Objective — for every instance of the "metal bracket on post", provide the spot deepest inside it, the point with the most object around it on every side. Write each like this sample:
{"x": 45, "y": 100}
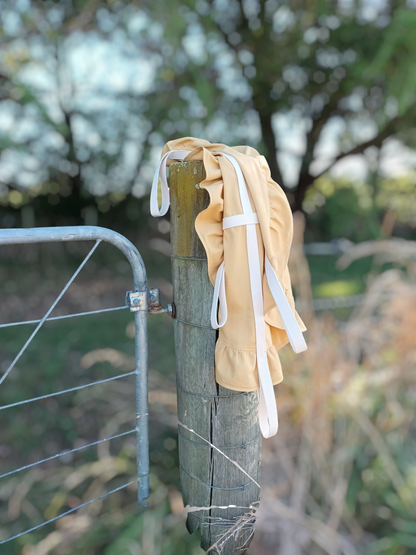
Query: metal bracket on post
{"x": 154, "y": 304}
{"x": 148, "y": 301}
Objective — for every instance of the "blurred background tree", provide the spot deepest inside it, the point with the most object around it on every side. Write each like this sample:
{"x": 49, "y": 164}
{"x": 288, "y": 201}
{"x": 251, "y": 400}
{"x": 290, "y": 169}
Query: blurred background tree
{"x": 91, "y": 90}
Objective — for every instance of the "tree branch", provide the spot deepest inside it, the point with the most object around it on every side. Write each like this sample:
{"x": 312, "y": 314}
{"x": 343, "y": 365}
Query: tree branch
{"x": 269, "y": 140}
{"x": 306, "y": 179}
{"x": 388, "y": 131}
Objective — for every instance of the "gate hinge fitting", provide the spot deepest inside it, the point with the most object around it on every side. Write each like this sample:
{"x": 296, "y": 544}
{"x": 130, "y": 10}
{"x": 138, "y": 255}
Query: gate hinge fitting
{"x": 148, "y": 301}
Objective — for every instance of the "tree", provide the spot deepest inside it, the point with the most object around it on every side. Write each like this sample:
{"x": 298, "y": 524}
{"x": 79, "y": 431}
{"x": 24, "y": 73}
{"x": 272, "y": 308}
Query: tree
{"x": 321, "y": 62}
{"x": 90, "y": 90}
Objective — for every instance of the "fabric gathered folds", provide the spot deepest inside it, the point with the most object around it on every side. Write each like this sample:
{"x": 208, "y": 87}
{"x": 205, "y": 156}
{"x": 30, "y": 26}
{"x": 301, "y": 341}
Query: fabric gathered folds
{"x": 247, "y": 234}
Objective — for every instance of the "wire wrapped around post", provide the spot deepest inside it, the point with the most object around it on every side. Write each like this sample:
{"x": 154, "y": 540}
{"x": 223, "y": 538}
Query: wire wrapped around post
{"x": 219, "y": 438}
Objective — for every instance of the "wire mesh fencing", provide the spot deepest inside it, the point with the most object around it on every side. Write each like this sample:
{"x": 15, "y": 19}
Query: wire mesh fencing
{"x": 139, "y": 300}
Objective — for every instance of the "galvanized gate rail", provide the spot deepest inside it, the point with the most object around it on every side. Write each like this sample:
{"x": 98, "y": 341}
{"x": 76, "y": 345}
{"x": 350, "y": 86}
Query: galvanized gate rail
{"x": 141, "y": 301}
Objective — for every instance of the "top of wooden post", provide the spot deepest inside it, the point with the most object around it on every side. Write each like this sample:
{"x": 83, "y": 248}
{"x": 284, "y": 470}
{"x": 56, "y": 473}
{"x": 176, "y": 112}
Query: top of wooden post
{"x": 187, "y": 202}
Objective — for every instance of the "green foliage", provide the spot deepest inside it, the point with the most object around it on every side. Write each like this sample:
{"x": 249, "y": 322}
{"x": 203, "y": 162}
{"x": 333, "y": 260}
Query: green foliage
{"x": 395, "y": 57}
{"x": 94, "y": 89}
{"x": 399, "y": 196}
{"x": 354, "y": 210}
{"x": 342, "y": 209}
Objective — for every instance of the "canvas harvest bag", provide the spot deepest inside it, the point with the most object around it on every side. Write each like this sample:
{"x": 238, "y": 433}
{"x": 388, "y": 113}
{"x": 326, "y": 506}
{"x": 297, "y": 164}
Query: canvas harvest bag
{"x": 247, "y": 234}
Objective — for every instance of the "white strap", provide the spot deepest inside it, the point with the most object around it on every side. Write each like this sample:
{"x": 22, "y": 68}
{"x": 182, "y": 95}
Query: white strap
{"x": 240, "y": 219}
{"x": 268, "y": 418}
{"x": 249, "y": 217}
{"x": 245, "y": 199}
{"x": 219, "y": 296}
{"x": 291, "y": 326}
{"x": 161, "y": 173}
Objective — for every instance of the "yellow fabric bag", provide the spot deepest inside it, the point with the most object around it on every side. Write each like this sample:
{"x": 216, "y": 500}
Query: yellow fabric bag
{"x": 244, "y": 197}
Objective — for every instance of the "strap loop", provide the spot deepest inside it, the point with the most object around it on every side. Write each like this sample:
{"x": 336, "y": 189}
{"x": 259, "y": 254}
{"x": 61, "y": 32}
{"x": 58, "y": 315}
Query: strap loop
{"x": 219, "y": 297}
{"x": 291, "y": 326}
{"x": 161, "y": 173}
{"x": 268, "y": 418}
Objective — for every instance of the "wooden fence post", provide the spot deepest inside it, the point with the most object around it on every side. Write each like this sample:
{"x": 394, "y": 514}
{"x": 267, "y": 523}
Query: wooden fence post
{"x": 207, "y": 411}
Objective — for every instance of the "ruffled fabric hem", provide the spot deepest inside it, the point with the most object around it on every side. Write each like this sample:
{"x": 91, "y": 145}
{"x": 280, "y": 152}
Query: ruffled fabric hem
{"x": 236, "y": 369}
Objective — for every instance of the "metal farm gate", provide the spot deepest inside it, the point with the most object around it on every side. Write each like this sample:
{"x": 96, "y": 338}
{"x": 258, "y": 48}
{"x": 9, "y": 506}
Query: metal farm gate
{"x": 141, "y": 301}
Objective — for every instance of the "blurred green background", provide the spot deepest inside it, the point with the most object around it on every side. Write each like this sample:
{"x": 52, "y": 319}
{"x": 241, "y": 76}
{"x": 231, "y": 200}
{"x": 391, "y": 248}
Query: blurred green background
{"x": 90, "y": 91}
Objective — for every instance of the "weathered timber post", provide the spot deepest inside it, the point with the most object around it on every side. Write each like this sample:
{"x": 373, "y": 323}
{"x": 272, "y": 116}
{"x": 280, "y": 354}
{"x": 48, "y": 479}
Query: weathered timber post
{"x": 225, "y": 418}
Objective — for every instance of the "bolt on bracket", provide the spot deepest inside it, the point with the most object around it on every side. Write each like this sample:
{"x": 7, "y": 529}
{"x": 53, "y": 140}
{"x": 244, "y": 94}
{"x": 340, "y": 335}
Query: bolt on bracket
{"x": 154, "y": 303}
{"x": 137, "y": 300}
